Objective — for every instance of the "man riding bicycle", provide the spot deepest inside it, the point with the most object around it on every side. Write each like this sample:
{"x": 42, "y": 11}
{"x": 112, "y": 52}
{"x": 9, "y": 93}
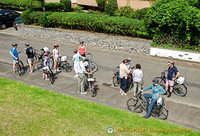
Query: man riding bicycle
{"x": 171, "y": 76}
{"x": 157, "y": 91}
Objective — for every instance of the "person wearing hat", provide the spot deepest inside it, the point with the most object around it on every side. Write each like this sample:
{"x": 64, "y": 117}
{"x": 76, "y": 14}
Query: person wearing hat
{"x": 157, "y": 91}
{"x": 124, "y": 71}
{"x": 30, "y": 55}
{"x": 14, "y": 54}
{"x": 76, "y": 60}
{"x": 82, "y": 49}
{"x": 171, "y": 76}
{"x": 56, "y": 56}
{"x": 82, "y": 77}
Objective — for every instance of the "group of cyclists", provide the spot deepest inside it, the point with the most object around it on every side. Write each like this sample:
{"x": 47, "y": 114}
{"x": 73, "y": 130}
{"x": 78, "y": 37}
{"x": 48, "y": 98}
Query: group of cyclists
{"x": 80, "y": 68}
{"x": 125, "y": 70}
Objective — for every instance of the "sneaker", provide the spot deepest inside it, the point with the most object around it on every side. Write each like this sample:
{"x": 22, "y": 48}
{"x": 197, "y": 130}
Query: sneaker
{"x": 46, "y": 79}
{"x": 76, "y": 76}
{"x": 123, "y": 93}
{"x": 30, "y": 72}
{"x": 84, "y": 93}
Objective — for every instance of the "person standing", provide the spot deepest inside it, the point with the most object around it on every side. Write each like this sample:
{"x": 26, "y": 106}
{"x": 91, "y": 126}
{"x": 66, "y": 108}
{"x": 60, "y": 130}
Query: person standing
{"x": 82, "y": 77}
{"x": 14, "y": 54}
{"x": 171, "y": 76}
{"x": 30, "y": 55}
{"x": 157, "y": 91}
{"x": 82, "y": 49}
{"x": 123, "y": 69}
{"x": 56, "y": 56}
{"x": 76, "y": 60}
{"x": 46, "y": 63}
{"x": 137, "y": 78}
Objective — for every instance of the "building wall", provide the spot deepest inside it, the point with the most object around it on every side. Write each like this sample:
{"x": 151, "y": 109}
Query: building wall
{"x": 135, "y": 4}
{"x": 52, "y": 0}
{"x": 92, "y": 3}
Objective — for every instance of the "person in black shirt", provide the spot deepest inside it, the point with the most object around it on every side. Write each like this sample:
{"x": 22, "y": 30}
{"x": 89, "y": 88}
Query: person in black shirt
{"x": 30, "y": 55}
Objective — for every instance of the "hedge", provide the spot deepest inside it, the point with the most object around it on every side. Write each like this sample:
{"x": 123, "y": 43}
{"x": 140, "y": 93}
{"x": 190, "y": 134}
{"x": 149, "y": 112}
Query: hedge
{"x": 19, "y": 4}
{"x": 90, "y": 22}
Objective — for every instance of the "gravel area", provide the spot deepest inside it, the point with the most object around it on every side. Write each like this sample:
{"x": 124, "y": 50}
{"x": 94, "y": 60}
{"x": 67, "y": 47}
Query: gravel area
{"x": 108, "y": 41}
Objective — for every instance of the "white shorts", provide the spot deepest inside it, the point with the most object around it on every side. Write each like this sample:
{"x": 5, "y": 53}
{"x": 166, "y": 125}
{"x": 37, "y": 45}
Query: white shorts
{"x": 30, "y": 60}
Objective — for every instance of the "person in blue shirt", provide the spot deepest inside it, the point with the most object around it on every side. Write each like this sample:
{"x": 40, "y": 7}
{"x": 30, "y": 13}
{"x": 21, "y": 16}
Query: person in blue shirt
{"x": 46, "y": 64}
{"x": 14, "y": 54}
{"x": 76, "y": 59}
{"x": 157, "y": 91}
{"x": 171, "y": 76}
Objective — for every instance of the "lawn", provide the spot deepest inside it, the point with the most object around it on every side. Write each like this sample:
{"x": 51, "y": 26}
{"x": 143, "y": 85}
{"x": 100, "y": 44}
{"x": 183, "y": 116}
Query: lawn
{"x": 28, "y": 110}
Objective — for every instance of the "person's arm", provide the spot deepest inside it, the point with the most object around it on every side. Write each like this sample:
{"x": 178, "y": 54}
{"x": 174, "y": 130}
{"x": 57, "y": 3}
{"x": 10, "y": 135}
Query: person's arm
{"x": 73, "y": 58}
{"x": 162, "y": 91}
{"x": 12, "y": 55}
{"x": 148, "y": 88}
{"x": 177, "y": 74}
{"x": 45, "y": 62}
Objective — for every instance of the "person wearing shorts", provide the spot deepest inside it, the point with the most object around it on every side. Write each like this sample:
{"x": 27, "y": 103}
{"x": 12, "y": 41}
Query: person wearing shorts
{"x": 30, "y": 55}
{"x": 56, "y": 56}
{"x": 14, "y": 54}
{"x": 171, "y": 76}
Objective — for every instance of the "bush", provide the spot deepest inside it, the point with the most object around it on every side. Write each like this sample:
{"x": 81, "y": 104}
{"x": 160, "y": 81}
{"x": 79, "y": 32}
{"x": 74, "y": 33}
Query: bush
{"x": 126, "y": 11}
{"x": 101, "y": 4}
{"x": 78, "y": 9}
{"x": 67, "y": 4}
{"x": 95, "y": 12}
{"x": 110, "y": 7}
{"x": 20, "y": 4}
{"x": 140, "y": 14}
{"x": 178, "y": 18}
{"x": 90, "y": 22}
{"x": 54, "y": 6}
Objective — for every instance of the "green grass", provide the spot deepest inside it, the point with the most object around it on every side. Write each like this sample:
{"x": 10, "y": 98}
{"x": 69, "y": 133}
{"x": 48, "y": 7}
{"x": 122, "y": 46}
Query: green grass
{"x": 28, "y": 110}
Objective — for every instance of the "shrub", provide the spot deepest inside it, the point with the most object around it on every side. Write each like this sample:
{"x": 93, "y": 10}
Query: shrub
{"x": 95, "y": 12}
{"x": 78, "y": 9}
{"x": 67, "y": 4}
{"x": 126, "y": 11}
{"x": 140, "y": 14}
{"x": 101, "y": 4}
{"x": 90, "y": 22}
{"x": 54, "y": 6}
{"x": 110, "y": 7}
{"x": 177, "y": 18}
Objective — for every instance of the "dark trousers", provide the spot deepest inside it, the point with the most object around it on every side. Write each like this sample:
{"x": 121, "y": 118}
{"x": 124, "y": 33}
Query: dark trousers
{"x": 153, "y": 101}
{"x": 123, "y": 84}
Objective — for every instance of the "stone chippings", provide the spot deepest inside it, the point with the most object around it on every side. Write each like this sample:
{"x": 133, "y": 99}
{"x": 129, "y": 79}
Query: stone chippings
{"x": 124, "y": 43}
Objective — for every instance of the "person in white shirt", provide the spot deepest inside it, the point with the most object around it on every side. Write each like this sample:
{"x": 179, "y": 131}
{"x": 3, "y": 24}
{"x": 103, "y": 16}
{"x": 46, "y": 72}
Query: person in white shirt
{"x": 56, "y": 56}
{"x": 76, "y": 60}
{"x": 137, "y": 78}
{"x": 81, "y": 74}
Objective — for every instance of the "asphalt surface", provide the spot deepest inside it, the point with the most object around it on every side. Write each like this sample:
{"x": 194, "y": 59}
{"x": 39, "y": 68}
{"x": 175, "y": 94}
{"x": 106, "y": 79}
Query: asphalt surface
{"x": 184, "y": 111}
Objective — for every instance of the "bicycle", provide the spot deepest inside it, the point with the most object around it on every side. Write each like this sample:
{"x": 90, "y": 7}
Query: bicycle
{"x": 179, "y": 88}
{"x": 92, "y": 64}
{"x": 116, "y": 80}
{"x": 138, "y": 104}
{"x": 49, "y": 73}
{"x": 19, "y": 66}
{"x": 63, "y": 64}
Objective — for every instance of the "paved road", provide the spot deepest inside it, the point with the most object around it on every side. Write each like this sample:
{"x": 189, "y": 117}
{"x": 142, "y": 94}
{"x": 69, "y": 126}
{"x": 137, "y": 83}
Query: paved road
{"x": 107, "y": 61}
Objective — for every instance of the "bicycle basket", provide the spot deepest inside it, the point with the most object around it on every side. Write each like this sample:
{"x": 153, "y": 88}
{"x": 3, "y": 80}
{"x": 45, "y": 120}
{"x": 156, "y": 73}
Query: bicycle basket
{"x": 45, "y": 69}
{"x": 64, "y": 58}
{"x": 180, "y": 80}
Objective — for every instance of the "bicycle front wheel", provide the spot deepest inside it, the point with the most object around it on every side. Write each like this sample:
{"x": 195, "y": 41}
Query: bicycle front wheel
{"x": 19, "y": 66}
{"x": 115, "y": 81}
{"x": 163, "y": 113}
{"x": 180, "y": 90}
{"x": 134, "y": 105}
{"x": 52, "y": 78}
{"x": 93, "y": 66}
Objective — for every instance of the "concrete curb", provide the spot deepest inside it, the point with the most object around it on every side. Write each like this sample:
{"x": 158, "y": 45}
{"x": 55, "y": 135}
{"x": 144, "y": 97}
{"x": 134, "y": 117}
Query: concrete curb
{"x": 181, "y": 55}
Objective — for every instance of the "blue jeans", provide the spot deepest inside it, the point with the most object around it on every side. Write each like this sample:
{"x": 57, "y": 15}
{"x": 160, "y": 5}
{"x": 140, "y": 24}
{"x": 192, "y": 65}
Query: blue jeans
{"x": 153, "y": 101}
{"x": 123, "y": 84}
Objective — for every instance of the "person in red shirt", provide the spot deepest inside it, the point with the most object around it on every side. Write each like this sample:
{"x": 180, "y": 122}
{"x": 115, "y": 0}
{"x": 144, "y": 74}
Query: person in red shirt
{"x": 82, "y": 49}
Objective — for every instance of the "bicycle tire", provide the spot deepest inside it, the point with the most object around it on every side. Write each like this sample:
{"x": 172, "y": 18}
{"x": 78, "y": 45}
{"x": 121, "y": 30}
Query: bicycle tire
{"x": 163, "y": 113}
{"x": 93, "y": 66}
{"x": 92, "y": 90}
{"x": 67, "y": 67}
{"x": 133, "y": 105}
{"x": 89, "y": 56}
{"x": 116, "y": 80}
{"x": 180, "y": 90}
{"x": 19, "y": 68}
{"x": 52, "y": 78}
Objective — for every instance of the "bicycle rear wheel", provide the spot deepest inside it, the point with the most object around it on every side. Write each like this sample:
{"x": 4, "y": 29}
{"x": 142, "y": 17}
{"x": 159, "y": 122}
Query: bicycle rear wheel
{"x": 89, "y": 56}
{"x": 163, "y": 113}
{"x": 180, "y": 89}
{"x": 52, "y": 78}
{"x": 134, "y": 105}
{"x": 116, "y": 81}
{"x": 93, "y": 66}
{"x": 51, "y": 63}
{"x": 19, "y": 66}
